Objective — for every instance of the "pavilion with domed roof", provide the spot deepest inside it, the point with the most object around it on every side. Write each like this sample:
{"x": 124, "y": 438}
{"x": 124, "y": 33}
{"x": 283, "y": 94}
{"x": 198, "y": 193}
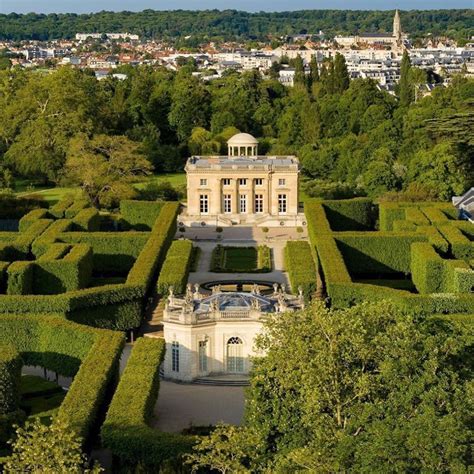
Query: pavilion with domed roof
{"x": 242, "y": 187}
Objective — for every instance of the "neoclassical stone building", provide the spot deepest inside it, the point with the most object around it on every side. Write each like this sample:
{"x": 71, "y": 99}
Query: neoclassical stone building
{"x": 214, "y": 334}
{"x": 242, "y": 187}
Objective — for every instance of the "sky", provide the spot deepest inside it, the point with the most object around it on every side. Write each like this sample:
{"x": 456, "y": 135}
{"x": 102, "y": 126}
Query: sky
{"x": 86, "y": 6}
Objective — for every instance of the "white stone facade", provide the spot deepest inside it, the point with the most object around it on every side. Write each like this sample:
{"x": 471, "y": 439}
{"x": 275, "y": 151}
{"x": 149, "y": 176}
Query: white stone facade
{"x": 214, "y": 334}
{"x": 242, "y": 188}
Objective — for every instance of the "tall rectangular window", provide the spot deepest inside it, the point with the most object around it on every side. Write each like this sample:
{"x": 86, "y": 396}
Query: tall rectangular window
{"x": 227, "y": 204}
{"x": 243, "y": 181}
{"x": 175, "y": 356}
{"x": 202, "y": 356}
{"x": 258, "y": 181}
{"x": 258, "y": 203}
{"x": 203, "y": 203}
{"x": 243, "y": 203}
{"x": 282, "y": 203}
{"x": 226, "y": 181}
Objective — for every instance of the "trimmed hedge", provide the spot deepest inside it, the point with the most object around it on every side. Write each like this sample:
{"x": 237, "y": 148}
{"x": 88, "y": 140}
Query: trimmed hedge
{"x": 125, "y": 430}
{"x": 377, "y": 252}
{"x": 75, "y": 208}
{"x": 140, "y": 215}
{"x": 10, "y": 373}
{"x": 59, "y": 209}
{"x": 350, "y": 214}
{"x": 42, "y": 243}
{"x": 87, "y": 220}
{"x": 27, "y": 220}
{"x": 89, "y": 355}
{"x": 264, "y": 258}
{"x": 300, "y": 267}
{"x": 70, "y": 270}
{"x": 460, "y": 246}
{"x": 20, "y": 278}
{"x": 113, "y": 252}
{"x": 154, "y": 251}
{"x": 175, "y": 270}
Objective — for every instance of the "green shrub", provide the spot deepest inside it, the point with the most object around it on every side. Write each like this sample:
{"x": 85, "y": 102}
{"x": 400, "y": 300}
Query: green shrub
{"x": 75, "y": 208}
{"x": 125, "y": 430}
{"x": 300, "y": 267}
{"x": 27, "y": 220}
{"x": 13, "y": 207}
{"x": 87, "y": 220}
{"x": 435, "y": 215}
{"x": 460, "y": 246}
{"x": 89, "y": 355}
{"x": 377, "y": 252}
{"x": 427, "y": 268}
{"x": 59, "y": 209}
{"x": 264, "y": 258}
{"x": 414, "y": 215}
{"x": 70, "y": 270}
{"x": 49, "y": 236}
{"x": 350, "y": 214}
{"x": 20, "y": 278}
{"x": 140, "y": 215}
{"x": 175, "y": 269}
{"x": 10, "y": 373}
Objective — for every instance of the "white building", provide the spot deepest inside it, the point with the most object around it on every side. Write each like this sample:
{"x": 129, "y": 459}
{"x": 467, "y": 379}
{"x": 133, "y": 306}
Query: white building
{"x": 214, "y": 334}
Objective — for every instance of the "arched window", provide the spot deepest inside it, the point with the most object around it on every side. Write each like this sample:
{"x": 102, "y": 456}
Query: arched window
{"x": 235, "y": 359}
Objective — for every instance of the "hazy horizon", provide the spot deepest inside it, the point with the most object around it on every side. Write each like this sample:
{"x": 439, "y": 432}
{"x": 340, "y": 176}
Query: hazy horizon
{"x": 90, "y": 6}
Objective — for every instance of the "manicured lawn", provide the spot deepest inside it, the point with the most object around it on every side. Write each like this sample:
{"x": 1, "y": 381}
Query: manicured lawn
{"x": 241, "y": 259}
{"x": 175, "y": 179}
{"x": 52, "y": 195}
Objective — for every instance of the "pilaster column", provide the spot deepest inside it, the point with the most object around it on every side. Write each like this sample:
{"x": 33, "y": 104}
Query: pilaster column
{"x": 235, "y": 196}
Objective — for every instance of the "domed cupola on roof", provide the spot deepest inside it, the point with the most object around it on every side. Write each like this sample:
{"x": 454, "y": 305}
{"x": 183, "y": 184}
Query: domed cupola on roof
{"x": 242, "y": 144}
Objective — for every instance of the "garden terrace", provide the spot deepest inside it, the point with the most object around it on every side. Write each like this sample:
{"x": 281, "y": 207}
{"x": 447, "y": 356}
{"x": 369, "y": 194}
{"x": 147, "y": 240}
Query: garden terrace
{"x": 61, "y": 262}
{"x": 241, "y": 259}
{"x": 422, "y": 258}
{"x": 91, "y": 356}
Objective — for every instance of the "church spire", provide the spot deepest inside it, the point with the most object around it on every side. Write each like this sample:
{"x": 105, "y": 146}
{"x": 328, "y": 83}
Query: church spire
{"x": 397, "y": 27}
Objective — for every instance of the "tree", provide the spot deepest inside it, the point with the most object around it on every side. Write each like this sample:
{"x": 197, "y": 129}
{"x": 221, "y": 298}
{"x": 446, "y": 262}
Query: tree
{"x": 300, "y": 76}
{"x": 365, "y": 389}
{"x": 226, "y": 449}
{"x": 47, "y": 449}
{"x": 405, "y": 88}
{"x": 104, "y": 167}
{"x": 341, "y": 74}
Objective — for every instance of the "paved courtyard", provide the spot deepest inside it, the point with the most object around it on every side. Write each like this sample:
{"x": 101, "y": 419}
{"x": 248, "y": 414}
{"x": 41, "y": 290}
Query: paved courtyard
{"x": 180, "y": 406}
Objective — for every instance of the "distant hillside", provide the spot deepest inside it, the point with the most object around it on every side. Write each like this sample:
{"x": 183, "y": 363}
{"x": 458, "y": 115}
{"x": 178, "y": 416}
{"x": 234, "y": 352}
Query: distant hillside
{"x": 232, "y": 24}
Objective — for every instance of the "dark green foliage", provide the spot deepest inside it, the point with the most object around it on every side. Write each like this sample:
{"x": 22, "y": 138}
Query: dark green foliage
{"x": 405, "y": 88}
{"x": 125, "y": 430}
{"x": 90, "y": 355}
{"x": 350, "y": 214}
{"x": 10, "y": 372}
{"x": 460, "y": 246}
{"x": 264, "y": 258}
{"x": 12, "y": 207}
{"x": 140, "y": 215}
{"x": 300, "y": 267}
{"x": 175, "y": 270}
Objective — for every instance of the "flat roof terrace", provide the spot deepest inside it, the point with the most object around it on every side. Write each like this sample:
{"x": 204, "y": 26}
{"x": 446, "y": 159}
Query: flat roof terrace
{"x": 242, "y": 162}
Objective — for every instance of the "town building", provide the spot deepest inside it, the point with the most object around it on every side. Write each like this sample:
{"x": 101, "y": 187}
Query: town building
{"x": 214, "y": 334}
{"x": 242, "y": 188}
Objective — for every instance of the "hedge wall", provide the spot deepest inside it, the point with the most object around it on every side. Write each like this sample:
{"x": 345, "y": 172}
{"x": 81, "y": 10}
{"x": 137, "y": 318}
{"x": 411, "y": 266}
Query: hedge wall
{"x": 140, "y": 215}
{"x": 377, "y": 252}
{"x": 75, "y": 208}
{"x": 460, "y": 246}
{"x": 113, "y": 252}
{"x": 70, "y": 270}
{"x": 59, "y": 209}
{"x": 87, "y": 220}
{"x": 27, "y": 220}
{"x": 10, "y": 373}
{"x": 300, "y": 267}
{"x": 89, "y": 355}
{"x": 175, "y": 269}
{"x": 350, "y": 214}
{"x": 125, "y": 430}
{"x": 20, "y": 278}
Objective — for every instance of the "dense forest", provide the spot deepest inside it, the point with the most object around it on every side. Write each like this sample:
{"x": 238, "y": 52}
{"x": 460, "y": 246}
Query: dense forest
{"x": 232, "y": 24}
{"x": 351, "y": 137}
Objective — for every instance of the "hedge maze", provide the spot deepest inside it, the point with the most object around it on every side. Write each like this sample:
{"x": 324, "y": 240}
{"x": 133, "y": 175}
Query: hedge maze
{"x": 62, "y": 262}
{"x": 68, "y": 265}
{"x": 421, "y": 257}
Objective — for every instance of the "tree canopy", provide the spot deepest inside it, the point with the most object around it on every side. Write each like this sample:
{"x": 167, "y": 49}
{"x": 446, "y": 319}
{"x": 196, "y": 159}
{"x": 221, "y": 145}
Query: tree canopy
{"x": 366, "y": 389}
